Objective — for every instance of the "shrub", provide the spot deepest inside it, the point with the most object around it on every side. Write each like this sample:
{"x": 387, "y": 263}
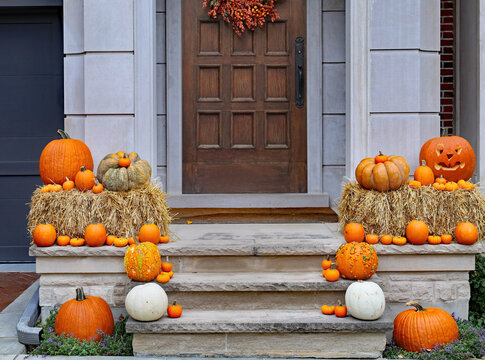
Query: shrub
{"x": 477, "y": 287}
{"x": 119, "y": 344}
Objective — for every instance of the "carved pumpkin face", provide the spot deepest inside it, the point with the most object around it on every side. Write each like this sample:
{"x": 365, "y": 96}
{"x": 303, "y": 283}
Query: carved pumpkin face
{"x": 450, "y": 156}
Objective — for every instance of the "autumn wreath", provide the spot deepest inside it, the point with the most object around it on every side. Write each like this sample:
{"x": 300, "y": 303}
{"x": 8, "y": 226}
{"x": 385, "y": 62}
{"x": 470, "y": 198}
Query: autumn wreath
{"x": 243, "y": 14}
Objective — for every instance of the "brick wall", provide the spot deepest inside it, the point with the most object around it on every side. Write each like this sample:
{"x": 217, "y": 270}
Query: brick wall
{"x": 447, "y": 62}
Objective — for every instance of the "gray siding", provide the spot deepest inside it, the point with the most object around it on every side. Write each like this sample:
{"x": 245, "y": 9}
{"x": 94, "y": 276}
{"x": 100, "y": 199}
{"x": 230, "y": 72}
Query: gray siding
{"x": 161, "y": 94}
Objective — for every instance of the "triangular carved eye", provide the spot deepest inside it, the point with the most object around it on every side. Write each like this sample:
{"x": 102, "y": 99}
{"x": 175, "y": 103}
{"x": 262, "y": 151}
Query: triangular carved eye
{"x": 458, "y": 150}
{"x": 439, "y": 152}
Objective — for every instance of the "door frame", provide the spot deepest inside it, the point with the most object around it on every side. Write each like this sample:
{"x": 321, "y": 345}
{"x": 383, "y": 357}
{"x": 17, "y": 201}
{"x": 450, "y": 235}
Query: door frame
{"x": 313, "y": 96}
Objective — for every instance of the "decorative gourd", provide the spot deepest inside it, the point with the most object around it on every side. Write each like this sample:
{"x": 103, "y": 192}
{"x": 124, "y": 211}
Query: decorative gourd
{"x": 340, "y": 310}
{"x": 424, "y": 174}
{"x": 326, "y": 263}
{"x": 446, "y": 239}
{"x": 356, "y": 260}
{"x": 63, "y": 240}
{"x": 417, "y": 232}
{"x": 389, "y": 175}
{"x": 386, "y": 240}
{"x": 84, "y": 179}
{"x": 466, "y": 233}
{"x": 118, "y": 178}
{"x": 354, "y": 232}
{"x": 371, "y": 239}
{"x": 332, "y": 274}
{"x": 451, "y": 186}
{"x": 414, "y": 183}
{"x": 98, "y": 187}
{"x": 95, "y": 234}
{"x": 365, "y": 300}
{"x": 328, "y": 309}
{"x": 163, "y": 277}
{"x": 174, "y": 310}
{"x": 399, "y": 240}
{"x": 450, "y": 156}
{"x": 84, "y": 316}
{"x": 146, "y": 302}
{"x": 423, "y": 328}
{"x": 434, "y": 239}
{"x": 44, "y": 235}
{"x": 142, "y": 261}
{"x": 439, "y": 186}
{"x": 68, "y": 184}
{"x": 62, "y": 158}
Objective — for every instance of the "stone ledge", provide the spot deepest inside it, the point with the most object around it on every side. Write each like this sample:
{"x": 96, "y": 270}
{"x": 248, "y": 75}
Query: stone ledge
{"x": 258, "y": 321}
{"x": 269, "y": 281}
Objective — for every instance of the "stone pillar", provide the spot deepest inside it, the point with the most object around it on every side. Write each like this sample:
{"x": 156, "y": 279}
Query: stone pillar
{"x": 107, "y": 48}
{"x": 393, "y": 83}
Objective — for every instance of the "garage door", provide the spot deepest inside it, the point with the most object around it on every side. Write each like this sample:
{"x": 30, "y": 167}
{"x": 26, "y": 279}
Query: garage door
{"x": 31, "y": 110}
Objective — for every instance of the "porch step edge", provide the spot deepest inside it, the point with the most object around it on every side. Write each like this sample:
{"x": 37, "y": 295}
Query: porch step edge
{"x": 258, "y": 321}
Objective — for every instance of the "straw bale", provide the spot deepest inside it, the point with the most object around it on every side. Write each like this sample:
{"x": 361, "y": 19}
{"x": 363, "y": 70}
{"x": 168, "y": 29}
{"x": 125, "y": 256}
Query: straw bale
{"x": 72, "y": 211}
{"x": 384, "y": 213}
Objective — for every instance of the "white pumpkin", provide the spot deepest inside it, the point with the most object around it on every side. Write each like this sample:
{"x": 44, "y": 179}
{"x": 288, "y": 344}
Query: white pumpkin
{"x": 146, "y": 302}
{"x": 365, "y": 300}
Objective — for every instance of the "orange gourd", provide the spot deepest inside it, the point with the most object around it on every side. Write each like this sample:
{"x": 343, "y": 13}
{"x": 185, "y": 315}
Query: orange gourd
{"x": 124, "y": 161}
{"x": 326, "y": 263}
{"x": 68, "y": 184}
{"x": 414, "y": 184}
{"x": 446, "y": 239}
{"x": 441, "y": 180}
{"x": 44, "y": 235}
{"x": 466, "y": 233}
{"x": 163, "y": 277}
{"x": 439, "y": 186}
{"x": 142, "y": 261}
{"x": 340, "y": 310}
{"x": 77, "y": 242}
{"x": 84, "y": 317}
{"x": 150, "y": 233}
{"x": 95, "y": 235}
{"x": 399, "y": 240}
{"x": 63, "y": 240}
{"x": 451, "y": 186}
{"x": 328, "y": 310}
{"x": 62, "y": 158}
{"x": 354, "y": 232}
{"x": 423, "y": 328}
{"x": 381, "y": 158}
{"x": 467, "y": 185}
{"x": 371, "y": 239}
{"x": 120, "y": 242}
{"x": 98, "y": 187}
{"x": 332, "y": 274}
{"x": 417, "y": 232}
{"x": 84, "y": 179}
{"x": 174, "y": 310}
{"x": 434, "y": 239}
{"x": 356, "y": 261}
{"x": 110, "y": 239}
{"x": 424, "y": 174}
{"x": 386, "y": 240}
{"x": 164, "y": 239}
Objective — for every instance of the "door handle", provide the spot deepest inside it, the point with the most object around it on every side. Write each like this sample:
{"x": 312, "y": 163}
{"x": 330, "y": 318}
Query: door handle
{"x": 299, "y": 72}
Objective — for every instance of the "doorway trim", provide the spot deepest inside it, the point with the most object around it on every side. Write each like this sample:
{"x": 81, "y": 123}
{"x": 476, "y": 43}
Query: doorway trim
{"x": 313, "y": 97}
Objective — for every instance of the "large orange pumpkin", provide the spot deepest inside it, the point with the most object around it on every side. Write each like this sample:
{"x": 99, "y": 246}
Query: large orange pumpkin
{"x": 423, "y": 328}
{"x": 63, "y": 158}
{"x": 466, "y": 233}
{"x": 450, "y": 156}
{"x": 84, "y": 316}
{"x": 143, "y": 261}
{"x": 356, "y": 261}
{"x": 382, "y": 176}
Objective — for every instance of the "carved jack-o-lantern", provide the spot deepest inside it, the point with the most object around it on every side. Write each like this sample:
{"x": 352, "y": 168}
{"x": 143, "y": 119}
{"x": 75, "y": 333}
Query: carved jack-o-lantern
{"x": 450, "y": 156}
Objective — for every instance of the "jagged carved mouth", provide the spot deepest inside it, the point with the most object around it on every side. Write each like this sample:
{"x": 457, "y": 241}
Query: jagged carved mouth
{"x": 442, "y": 166}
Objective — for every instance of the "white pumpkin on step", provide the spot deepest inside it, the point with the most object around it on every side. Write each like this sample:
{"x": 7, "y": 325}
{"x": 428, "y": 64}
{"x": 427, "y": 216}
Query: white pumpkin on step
{"x": 146, "y": 302}
{"x": 365, "y": 300}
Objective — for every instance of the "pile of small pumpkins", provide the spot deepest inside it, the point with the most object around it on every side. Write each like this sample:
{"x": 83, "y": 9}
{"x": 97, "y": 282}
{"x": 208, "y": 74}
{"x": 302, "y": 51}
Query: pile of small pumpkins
{"x": 67, "y": 163}
{"x": 417, "y": 233}
{"x": 447, "y": 163}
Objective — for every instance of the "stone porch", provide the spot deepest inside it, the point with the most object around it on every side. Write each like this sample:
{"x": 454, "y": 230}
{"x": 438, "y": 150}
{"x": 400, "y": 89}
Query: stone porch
{"x": 256, "y": 289}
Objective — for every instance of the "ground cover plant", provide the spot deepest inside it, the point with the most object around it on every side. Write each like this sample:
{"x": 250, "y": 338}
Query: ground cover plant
{"x": 119, "y": 344}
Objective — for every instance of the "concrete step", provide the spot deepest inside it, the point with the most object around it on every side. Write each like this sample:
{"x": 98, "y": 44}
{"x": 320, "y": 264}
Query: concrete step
{"x": 260, "y": 333}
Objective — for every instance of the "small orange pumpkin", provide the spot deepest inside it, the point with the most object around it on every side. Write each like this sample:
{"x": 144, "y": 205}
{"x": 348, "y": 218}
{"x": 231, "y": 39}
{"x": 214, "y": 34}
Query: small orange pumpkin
{"x": 466, "y": 233}
{"x": 77, "y": 242}
{"x": 68, "y": 184}
{"x": 386, "y": 239}
{"x": 150, "y": 233}
{"x": 467, "y": 185}
{"x": 446, "y": 239}
{"x": 120, "y": 242}
{"x": 340, "y": 310}
{"x": 451, "y": 186}
{"x": 424, "y": 174}
{"x": 439, "y": 186}
{"x": 44, "y": 235}
{"x": 110, "y": 239}
{"x": 441, "y": 180}
{"x": 63, "y": 240}
{"x": 332, "y": 274}
{"x": 399, "y": 240}
{"x": 326, "y": 263}
{"x": 164, "y": 239}
{"x": 381, "y": 158}
{"x": 124, "y": 161}
{"x": 163, "y": 277}
{"x": 434, "y": 239}
{"x": 354, "y": 232}
{"x": 95, "y": 234}
{"x": 371, "y": 239}
{"x": 417, "y": 232}
{"x": 327, "y": 310}
{"x": 414, "y": 184}
{"x": 98, "y": 187}
{"x": 84, "y": 179}
{"x": 166, "y": 266}
{"x": 174, "y": 310}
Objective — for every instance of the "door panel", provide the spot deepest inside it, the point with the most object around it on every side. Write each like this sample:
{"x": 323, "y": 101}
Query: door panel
{"x": 242, "y": 132}
{"x": 31, "y": 101}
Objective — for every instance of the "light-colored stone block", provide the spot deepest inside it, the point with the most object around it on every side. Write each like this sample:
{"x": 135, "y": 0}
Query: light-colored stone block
{"x": 455, "y": 262}
{"x": 75, "y": 126}
{"x": 108, "y": 134}
{"x": 160, "y": 38}
{"x": 53, "y": 265}
{"x": 334, "y": 140}
{"x": 11, "y": 346}
{"x": 405, "y": 24}
{"x": 333, "y": 176}
{"x": 108, "y": 25}
{"x": 333, "y": 5}
{"x": 161, "y": 90}
{"x": 333, "y": 88}
{"x": 162, "y": 140}
{"x": 422, "y": 291}
{"x": 74, "y": 84}
{"x": 109, "y": 83}
{"x": 73, "y": 21}
{"x": 402, "y": 134}
{"x": 404, "y": 81}
{"x": 333, "y": 34}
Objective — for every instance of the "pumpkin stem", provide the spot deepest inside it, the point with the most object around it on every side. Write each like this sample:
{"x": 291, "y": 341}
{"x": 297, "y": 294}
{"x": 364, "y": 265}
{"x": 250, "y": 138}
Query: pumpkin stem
{"x": 52, "y": 181}
{"x": 63, "y": 134}
{"x": 83, "y": 168}
{"x": 80, "y": 294}
{"x": 423, "y": 162}
{"x": 380, "y": 153}
{"x": 416, "y": 305}
{"x": 174, "y": 303}
{"x": 134, "y": 236}
{"x": 339, "y": 302}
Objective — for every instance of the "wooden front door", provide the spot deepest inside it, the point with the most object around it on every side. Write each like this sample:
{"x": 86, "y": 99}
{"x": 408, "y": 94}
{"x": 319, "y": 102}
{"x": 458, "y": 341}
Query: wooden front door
{"x": 242, "y": 130}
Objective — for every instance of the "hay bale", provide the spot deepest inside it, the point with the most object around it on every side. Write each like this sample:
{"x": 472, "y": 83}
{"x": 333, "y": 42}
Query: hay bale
{"x": 72, "y": 211}
{"x": 384, "y": 213}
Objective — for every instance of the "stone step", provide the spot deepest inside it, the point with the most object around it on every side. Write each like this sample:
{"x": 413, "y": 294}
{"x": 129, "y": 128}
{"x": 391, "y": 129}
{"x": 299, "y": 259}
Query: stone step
{"x": 260, "y": 333}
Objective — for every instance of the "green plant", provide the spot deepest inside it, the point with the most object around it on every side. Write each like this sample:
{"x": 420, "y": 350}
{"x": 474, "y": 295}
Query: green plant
{"x": 477, "y": 298}
{"x": 470, "y": 344}
{"x": 119, "y": 344}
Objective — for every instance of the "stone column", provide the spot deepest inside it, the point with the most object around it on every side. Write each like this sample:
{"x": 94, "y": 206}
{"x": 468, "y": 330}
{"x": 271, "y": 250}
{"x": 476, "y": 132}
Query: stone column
{"x": 107, "y": 48}
{"x": 393, "y": 78}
